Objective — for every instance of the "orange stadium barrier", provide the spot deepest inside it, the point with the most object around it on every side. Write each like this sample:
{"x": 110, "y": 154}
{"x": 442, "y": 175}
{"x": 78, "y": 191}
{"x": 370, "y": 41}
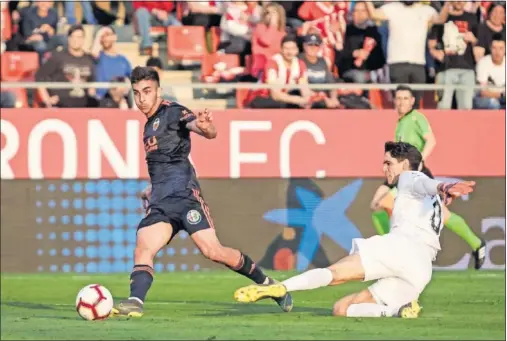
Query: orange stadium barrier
{"x": 98, "y": 143}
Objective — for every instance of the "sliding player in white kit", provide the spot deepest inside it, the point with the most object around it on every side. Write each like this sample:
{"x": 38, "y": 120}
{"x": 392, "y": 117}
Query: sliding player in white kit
{"x": 400, "y": 261}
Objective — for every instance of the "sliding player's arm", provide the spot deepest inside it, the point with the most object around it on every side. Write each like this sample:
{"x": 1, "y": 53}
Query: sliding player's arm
{"x": 419, "y": 184}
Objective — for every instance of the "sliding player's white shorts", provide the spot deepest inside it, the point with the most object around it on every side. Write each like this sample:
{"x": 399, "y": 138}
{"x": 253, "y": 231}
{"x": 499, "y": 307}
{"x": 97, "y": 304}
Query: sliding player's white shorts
{"x": 401, "y": 264}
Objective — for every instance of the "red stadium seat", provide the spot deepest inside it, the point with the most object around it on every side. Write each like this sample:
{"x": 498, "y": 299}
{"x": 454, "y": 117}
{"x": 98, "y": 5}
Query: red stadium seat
{"x": 258, "y": 63}
{"x": 186, "y": 42}
{"x": 209, "y": 60}
{"x": 17, "y": 66}
{"x": 215, "y": 38}
{"x": 241, "y": 97}
{"x": 156, "y": 31}
{"x": 6, "y": 24}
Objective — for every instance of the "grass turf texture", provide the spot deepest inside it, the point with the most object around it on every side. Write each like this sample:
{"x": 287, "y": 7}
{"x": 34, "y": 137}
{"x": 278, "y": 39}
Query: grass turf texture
{"x": 457, "y": 305}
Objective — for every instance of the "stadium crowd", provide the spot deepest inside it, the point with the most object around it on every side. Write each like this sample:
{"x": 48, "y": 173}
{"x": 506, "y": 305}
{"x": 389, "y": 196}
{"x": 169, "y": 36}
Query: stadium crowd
{"x": 277, "y": 42}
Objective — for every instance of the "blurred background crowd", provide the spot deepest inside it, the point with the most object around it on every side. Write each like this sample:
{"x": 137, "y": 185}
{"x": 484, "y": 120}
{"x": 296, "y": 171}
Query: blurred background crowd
{"x": 275, "y": 42}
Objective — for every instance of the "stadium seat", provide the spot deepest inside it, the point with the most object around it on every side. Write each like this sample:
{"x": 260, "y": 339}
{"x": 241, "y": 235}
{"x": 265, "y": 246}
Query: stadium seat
{"x": 241, "y": 97}
{"x": 18, "y": 66}
{"x": 157, "y": 31}
{"x": 6, "y": 24}
{"x": 215, "y": 38}
{"x": 258, "y": 62}
{"x": 380, "y": 99}
{"x": 186, "y": 42}
{"x": 209, "y": 60}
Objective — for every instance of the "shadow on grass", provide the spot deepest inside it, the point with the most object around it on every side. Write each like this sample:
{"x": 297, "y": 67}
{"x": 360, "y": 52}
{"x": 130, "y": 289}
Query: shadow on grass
{"x": 239, "y": 309}
{"x": 28, "y": 305}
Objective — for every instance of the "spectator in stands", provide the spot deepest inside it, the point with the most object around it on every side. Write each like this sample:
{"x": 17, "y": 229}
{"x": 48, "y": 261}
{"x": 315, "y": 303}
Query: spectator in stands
{"x": 110, "y": 64}
{"x": 291, "y": 12}
{"x": 283, "y": 68}
{"x": 328, "y": 19}
{"x": 318, "y": 72}
{"x": 73, "y": 66}
{"x": 156, "y": 63}
{"x": 86, "y": 6}
{"x": 491, "y": 71}
{"x": 237, "y": 25}
{"x": 149, "y": 13}
{"x": 203, "y": 13}
{"x": 38, "y": 28}
{"x": 408, "y": 29}
{"x": 495, "y": 23}
{"x": 116, "y": 97}
{"x": 267, "y": 36}
{"x": 362, "y": 48}
{"x": 452, "y": 45}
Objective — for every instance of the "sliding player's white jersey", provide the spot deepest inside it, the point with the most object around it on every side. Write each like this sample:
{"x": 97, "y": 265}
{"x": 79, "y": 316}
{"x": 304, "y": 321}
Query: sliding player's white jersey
{"x": 415, "y": 212}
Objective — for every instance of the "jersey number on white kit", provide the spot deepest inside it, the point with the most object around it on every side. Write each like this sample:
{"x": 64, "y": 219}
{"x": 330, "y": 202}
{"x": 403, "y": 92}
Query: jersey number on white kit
{"x": 436, "y": 217}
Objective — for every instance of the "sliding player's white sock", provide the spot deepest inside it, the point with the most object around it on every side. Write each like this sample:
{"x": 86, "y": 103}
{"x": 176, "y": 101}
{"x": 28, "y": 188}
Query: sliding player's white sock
{"x": 370, "y": 310}
{"x": 309, "y": 280}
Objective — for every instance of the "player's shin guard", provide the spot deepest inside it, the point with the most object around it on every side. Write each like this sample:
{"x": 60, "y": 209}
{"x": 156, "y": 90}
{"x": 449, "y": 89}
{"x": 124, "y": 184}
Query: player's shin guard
{"x": 248, "y": 268}
{"x": 140, "y": 281}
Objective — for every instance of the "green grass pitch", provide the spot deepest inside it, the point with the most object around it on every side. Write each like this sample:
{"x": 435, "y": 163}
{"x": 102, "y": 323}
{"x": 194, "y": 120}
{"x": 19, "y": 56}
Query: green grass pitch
{"x": 199, "y": 306}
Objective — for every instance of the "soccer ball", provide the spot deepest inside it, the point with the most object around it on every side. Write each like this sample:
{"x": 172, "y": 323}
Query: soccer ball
{"x": 94, "y": 302}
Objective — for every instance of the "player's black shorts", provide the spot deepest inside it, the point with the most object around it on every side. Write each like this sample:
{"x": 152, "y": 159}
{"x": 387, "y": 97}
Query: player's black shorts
{"x": 184, "y": 210}
{"x": 424, "y": 170}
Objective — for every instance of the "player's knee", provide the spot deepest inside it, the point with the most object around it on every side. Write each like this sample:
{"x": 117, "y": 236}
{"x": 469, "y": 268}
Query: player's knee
{"x": 143, "y": 253}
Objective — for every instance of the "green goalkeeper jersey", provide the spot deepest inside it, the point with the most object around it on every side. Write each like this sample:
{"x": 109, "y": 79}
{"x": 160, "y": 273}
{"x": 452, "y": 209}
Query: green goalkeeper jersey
{"x": 412, "y": 128}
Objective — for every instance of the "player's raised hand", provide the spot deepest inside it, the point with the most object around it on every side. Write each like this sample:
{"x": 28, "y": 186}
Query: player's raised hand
{"x": 204, "y": 123}
{"x": 454, "y": 190}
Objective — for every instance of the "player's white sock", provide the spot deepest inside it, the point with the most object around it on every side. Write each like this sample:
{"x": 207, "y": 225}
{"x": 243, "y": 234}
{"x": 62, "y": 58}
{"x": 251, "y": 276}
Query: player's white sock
{"x": 309, "y": 280}
{"x": 370, "y": 310}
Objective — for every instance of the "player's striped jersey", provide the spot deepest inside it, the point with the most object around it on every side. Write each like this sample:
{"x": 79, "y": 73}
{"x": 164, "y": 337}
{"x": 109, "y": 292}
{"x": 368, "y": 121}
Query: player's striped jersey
{"x": 416, "y": 213}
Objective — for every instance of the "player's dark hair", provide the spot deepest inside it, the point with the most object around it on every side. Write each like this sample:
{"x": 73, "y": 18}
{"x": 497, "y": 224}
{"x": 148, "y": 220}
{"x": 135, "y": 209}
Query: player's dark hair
{"x": 404, "y": 151}
{"x": 405, "y": 88}
{"x": 144, "y": 73}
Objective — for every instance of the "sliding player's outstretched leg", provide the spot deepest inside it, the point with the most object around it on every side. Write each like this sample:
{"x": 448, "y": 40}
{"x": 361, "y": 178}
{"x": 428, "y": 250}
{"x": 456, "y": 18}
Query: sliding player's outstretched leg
{"x": 150, "y": 239}
{"x": 347, "y": 269}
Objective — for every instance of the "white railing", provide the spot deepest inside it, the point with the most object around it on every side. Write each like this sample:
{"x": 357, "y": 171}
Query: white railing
{"x": 253, "y": 86}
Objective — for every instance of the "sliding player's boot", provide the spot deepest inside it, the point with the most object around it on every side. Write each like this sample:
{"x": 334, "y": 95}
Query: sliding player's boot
{"x": 410, "y": 310}
{"x": 479, "y": 255}
{"x": 130, "y": 308}
{"x": 255, "y": 292}
{"x": 285, "y": 302}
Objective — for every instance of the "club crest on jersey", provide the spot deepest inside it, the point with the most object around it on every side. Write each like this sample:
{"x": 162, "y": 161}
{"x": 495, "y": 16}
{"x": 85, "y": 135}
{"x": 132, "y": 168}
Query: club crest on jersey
{"x": 193, "y": 217}
{"x": 156, "y": 123}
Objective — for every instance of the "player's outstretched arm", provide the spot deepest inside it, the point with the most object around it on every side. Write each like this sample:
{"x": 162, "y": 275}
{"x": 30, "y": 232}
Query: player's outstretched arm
{"x": 203, "y": 125}
{"x": 449, "y": 191}
{"x": 420, "y": 184}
